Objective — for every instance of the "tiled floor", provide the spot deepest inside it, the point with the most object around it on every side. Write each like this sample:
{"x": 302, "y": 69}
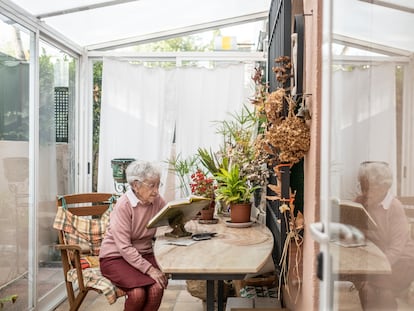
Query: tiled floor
{"x": 176, "y": 298}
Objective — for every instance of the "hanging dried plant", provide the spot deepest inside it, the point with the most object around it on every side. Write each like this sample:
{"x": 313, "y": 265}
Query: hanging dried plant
{"x": 291, "y": 136}
{"x": 285, "y": 140}
{"x": 294, "y": 223}
{"x": 284, "y": 70}
{"x": 273, "y": 106}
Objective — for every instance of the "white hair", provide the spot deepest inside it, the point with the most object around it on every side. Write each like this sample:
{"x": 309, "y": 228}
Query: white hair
{"x": 375, "y": 173}
{"x": 141, "y": 170}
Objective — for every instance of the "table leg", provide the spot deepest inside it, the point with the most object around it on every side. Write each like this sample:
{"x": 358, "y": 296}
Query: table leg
{"x": 220, "y": 295}
{"x": 210, "y": 295}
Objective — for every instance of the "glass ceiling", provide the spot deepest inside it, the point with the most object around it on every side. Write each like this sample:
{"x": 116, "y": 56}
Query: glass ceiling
{"x": 99, "y": 25}
{"x": 111, "y": 24}
{"x": 375, "y": 25}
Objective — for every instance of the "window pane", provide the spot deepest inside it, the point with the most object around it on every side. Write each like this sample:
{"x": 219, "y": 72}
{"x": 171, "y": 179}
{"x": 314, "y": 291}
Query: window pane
{"x": 14, "y": 162}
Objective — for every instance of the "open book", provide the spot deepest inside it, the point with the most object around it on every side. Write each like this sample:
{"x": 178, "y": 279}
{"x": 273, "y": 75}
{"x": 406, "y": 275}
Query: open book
{"x": 181, "y": 210}
{"x": 353, "y": 213}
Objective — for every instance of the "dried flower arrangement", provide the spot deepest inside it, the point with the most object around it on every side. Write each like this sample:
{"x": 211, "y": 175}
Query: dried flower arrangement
{"x": 284, "y": 140}
{"x": 294, "y": 226}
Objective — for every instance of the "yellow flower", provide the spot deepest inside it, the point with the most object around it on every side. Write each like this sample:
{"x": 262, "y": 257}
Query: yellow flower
{"x": 283, "y": 208}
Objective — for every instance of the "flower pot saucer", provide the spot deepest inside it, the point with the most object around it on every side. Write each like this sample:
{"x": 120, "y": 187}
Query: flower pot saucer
{"x": 208, "y": 221}
{"x": 238, "y": 224}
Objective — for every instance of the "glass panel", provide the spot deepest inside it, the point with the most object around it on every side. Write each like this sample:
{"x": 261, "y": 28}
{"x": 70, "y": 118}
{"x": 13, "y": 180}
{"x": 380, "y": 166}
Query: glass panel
{"x": 371, "y": 157}
{"x": 14, "y": 162}
{"x": 56, "y": 102}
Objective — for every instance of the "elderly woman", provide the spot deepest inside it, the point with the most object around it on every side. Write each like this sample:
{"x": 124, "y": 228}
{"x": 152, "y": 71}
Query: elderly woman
{"x": 391, "y": 235}
{"x": 126, "y": 255}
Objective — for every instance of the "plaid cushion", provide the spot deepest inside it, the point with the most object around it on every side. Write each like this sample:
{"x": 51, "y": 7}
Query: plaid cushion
{"x": 86, "y": 232}
{"x": 92, "y": 277}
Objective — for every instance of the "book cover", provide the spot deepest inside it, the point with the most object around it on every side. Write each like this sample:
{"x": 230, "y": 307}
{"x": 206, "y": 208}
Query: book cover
{"x": 186, "y": 208}
{"x": 354, "y": 213}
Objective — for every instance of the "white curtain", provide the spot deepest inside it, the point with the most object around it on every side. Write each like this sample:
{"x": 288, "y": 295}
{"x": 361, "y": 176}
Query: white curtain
{"x": 206, "y": 95}
{"x": 407, "y": 173}
{"x": 140, "y": 107}
{"x": 136, "y": 119}
{"x": 363, "y": 122}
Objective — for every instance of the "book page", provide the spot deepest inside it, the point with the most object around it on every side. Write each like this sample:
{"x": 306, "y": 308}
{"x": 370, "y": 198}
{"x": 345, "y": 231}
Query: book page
{"x": 187, "y": 208}
{"x": 353, "y": 213}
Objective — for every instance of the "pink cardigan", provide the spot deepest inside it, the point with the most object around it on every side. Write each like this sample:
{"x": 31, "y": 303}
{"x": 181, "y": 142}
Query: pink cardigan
{"x": 127, "y": 235}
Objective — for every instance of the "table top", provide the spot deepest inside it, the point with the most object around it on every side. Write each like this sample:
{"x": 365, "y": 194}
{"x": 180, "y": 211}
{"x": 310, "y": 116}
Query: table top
{"x": 230, "y": 251}
{"x": 358, "y": 261}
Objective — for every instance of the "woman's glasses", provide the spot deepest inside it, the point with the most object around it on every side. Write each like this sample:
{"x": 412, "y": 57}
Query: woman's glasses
{"x": 151, "y": 186}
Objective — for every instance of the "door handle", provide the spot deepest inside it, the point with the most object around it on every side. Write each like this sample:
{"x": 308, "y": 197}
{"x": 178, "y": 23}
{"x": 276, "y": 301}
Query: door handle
{"x": 318, "y": 233}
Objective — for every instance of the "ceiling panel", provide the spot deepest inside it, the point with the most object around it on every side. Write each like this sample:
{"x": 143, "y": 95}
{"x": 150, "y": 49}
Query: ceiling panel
{"x": 129, "y": 19}
{"x": 375, "y": 24}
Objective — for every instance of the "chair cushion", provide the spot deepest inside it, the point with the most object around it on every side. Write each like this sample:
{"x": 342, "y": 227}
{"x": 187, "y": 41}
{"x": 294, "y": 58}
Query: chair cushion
{"x": 89, "y": 262}
{"x": 92, "y": 277}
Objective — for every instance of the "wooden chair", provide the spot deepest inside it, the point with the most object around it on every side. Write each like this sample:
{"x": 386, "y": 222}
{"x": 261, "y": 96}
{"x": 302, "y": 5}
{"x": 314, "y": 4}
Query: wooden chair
{"x": 81, "y": 221}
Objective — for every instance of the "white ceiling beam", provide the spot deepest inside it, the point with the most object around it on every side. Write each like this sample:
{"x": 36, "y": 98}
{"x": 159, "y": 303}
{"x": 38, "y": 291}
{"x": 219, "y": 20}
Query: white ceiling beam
{"x": 178, "y": 32}
{"x": 184, "y": 56}
{"x": 369, "y": 46}
{"x": 83, "y": 8}
{"x": 368, "y": 60}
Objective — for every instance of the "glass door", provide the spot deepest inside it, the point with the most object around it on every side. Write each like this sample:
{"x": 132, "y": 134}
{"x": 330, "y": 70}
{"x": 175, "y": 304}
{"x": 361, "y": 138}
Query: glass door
{"x": 36, "y": 152}
{"x": 15, "y": 68}
{"x": 367, "y": 254}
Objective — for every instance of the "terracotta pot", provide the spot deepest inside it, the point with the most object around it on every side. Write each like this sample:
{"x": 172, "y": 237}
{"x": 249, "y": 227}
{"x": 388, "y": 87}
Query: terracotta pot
{"x": 208, "y": 214}
{"x": 240, "y": 212}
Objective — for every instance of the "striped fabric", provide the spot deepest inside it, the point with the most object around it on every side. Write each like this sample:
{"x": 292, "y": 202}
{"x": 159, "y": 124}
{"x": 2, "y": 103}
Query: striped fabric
{"x": 86, "y": 232}
{"x": 92, "y": 277}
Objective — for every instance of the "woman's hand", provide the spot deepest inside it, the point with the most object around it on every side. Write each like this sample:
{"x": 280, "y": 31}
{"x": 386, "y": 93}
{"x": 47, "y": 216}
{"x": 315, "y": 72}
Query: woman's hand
{"x": 159, "y": 277}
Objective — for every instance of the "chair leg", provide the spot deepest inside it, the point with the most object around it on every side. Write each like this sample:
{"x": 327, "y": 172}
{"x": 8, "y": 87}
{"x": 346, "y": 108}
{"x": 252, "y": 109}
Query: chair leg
{"x": 70, "y": 292}
{"x": 78, "y": 301}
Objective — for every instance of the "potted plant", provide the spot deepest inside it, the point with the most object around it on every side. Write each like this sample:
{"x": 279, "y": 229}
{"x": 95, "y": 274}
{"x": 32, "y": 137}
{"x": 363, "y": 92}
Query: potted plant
{"x": 202, "y": 185}
{"x": 211, "y": 161}
{"x": 236, "y": 191}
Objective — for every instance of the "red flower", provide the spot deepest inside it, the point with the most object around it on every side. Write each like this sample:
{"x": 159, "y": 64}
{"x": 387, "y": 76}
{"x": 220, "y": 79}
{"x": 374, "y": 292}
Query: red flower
{"x": 202, "y": 185}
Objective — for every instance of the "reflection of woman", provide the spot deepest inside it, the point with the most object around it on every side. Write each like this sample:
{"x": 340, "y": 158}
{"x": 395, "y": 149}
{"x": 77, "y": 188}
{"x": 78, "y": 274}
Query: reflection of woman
{"x": 391, "y": 235}
{"x": 126, "y": 255}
